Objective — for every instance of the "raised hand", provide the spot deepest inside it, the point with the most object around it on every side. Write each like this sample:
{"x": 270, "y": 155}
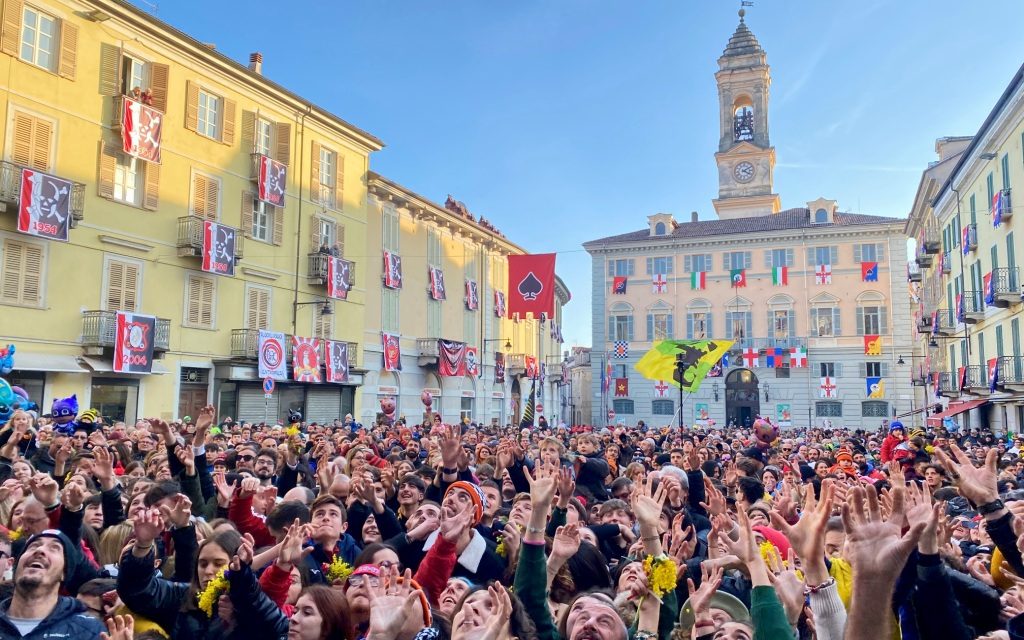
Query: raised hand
{"x": 292, "y": 551}
{"x": 248, "y": 488}
{"x": 977, "y": 484}
{"x": 875, "y": 548}
{"x": 647, "y": 504}
{"x": 566, "y": 541}
{"x": 179, "y": 512}
{"x": 243, "y": 557}
{"x": 103, "y": 467}
{"x": 225, "y": 491}
{"x": 513, "y": 539}
{"x": 700, "y": 599}
{"x": 44, "y": 489}
{"x": 148, "y": 525}
{"x": 808, "y": 535}
{"x": 716, "y": 503}
{"x": 565, "y": 485}
{"x": 73, "y": 497}
{"x": 501, "y": 613}
{"x": 922, "y": 511}
{"x": 204, "y": 421}
{"x": 789, "y": 587}
{"x": 450, "y": 448}
{"x": 119, "y": 628}
{"x": 187, "y": 458}
{"x": 452, "y": 528}
{"x": 542, "y": 484}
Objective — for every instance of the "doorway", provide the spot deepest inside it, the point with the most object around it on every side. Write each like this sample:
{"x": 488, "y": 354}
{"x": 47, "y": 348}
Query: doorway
{"x": 193, "y": 392}
{"x": 517, "y": 398}
{"x": 742, "y": 402}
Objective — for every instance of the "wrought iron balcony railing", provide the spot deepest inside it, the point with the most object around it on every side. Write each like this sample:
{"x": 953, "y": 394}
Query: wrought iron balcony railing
{"x": 947, "y": 262}
{"x": 948, "y": 385}
{"x": 245, "y": 346}
{"x": 316, "y": 269}
{"x": 99, "y": 329}
{"x": 974, "y": 306}
{"x": 1011, "y": 371}
{"x": 190, "y": 237}
{"x": 1006, "y": 282}
{"x": 10, "y": 190}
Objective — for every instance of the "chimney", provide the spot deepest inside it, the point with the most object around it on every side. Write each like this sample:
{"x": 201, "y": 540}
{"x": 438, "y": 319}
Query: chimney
{"x": 693, "y": 216}
{"x": 256, "y": 62}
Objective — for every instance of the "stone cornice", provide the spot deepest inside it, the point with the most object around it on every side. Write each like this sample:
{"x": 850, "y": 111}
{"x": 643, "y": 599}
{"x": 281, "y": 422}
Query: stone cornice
{"x": 125, "y": 243}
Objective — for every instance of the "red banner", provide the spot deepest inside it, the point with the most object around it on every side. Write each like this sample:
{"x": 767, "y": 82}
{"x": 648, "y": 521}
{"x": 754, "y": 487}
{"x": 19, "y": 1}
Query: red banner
{"x": 392, "y": 270}
{"x": 141, "y": 130}
{"x": 271, "y": 181}
{"x": 133, "y": 343}
{"x": 339, "y": 278}
{"x": 499, "y": 303}
{"x": 531, "y": 284}
{"x": 451, "y": 361}
{"x": 218, "y": 248}
{"x": 472, "y": 297}
{"x": 306, "y": 359}
{"x": 532, "y": 370}
{"x": 392, "y": 351}
{"x": 436, "y": 283}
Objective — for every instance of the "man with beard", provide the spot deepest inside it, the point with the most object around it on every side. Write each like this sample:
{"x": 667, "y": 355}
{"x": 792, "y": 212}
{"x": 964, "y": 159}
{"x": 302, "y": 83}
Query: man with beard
{"x": 265, "y": 466}
{"x": 245, "y": 457}
{"x": 37, "y": 610}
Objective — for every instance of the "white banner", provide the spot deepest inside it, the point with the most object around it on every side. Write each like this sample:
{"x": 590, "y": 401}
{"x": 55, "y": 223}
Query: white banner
{"x": 271, "y": 355}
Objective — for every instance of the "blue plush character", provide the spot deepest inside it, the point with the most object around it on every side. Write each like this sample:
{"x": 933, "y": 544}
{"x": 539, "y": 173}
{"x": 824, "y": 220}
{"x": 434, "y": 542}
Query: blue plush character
{"x": 64, "y": 412}
{"x": 6, "y": 360}
{"x": 7, "y": 401}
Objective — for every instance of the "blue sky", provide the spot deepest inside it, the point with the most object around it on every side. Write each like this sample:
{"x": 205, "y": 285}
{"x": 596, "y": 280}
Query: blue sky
{"x": 562, "y": 121}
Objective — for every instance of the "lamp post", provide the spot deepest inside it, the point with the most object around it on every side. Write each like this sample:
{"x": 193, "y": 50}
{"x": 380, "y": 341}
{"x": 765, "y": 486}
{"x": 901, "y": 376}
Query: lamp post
{"x": 678, "y": 375}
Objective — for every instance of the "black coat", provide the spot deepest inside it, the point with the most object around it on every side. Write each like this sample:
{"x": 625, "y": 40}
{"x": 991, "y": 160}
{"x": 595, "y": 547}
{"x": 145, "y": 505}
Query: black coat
{"x": 67, "y": 620}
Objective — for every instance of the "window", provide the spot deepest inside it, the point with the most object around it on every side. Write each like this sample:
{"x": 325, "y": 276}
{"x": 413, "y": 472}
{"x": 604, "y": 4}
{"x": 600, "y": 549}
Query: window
{"x": 825, "y": 322}
{"x": 31, "y": 141}
{"x": 620, "y": 371}
{"x": 620, "y": 327}
{"x": 38, "y": 38}
{"x": 327, "y": 178}
{"x": 135, "y": 74}
{"x": 659, "y": 265}
{"x": 659, "y": 229}
{"x": 778, "y": 258}
{"x": 737, "y": 260}
{"x": 264, "y": 136}
{"x": 828, "y": 409}
{"x": 323, "y": 326}
{"x": 872, "y": 320}
{"x": 261, "y": 220}
{"x": 623, "y": 406}
{"x": 389, "y": 304}
{"x": 127, "y": 179}
{"x": 830, "y": 369}
{"x": 874, "y": 409}
{"x": 874, "y": 252}
{"x": 698, "y": 325}
{"x": 782, "y": 323}
{"x": 820, "y": 217}
{"x": 22, "y": 277}
{"x": 328, "y": 161}
{"x": 872, "y": 369}
{"x": 434, "y": 309}
{"x": 783, "y": 371}
{"x": 620, "y": 267}
{"x": 205, "y": 196}
{"x": 122, "y": 285}
{"x": 822, "y": 255}
{"x": 659, "y": 325}
{"x": 466, "y": 409}
{"x": 200, "y": 291}
{"x": 209, "y": 115}
{"x": 738, "y": 325}
{"x": 663, "y": 407}
{"x": 696, "y": 263}
{"x": 257, "y": 308}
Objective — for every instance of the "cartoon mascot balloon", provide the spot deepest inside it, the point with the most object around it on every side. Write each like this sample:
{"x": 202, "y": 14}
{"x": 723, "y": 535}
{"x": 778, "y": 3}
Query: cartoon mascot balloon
{"x": 12, "y": 398}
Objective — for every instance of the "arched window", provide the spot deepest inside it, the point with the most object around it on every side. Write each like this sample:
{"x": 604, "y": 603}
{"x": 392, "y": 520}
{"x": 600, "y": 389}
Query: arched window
{"x": 820, "y": 216}
{"x": 739, "y": 320}
{"x": 659, "y": 229}
{"x": 620, "y": 322}
{"x": 699, "y": 325}
{"x": 743, "y": 119}
{"x": 825, "y": 316}
{"x": 781, "y": 317}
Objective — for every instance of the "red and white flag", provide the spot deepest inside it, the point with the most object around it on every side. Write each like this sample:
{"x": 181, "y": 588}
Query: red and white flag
{"x": 827, "y": 388}
{"x": 306, "y": 359}
{"x": 273, "y": 176}
{"x": 451, "y": 360}
{"x": 133, "y": 343}
{"x": 661, "y": 389}
{"x": 472, "y": 362}
{"x": 751, "y": 358}
{"x": 531, "y": 284}
{"x": 659, "y": 284}
{"x": 44, "y": 209}
{"x": 141, "y": 130}
{"x": 472, "y": 296}
{"x": 392, "y": 270}
{"x": 499, "y": 303}
{"x": 218, "y": 248}
{"x": 392, "y": 351}
{"x": 336, "y": 360}
{"x": 271, "y": 356}
{"x": 823, "y": 275}
{"x": 339, "y": 278}
{"x": 436, "y": 283}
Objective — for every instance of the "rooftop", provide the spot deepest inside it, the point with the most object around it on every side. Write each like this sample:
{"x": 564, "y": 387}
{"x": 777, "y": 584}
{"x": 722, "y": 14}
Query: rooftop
{"x": 790, "y": 219}
{"x": 742, "y": 41}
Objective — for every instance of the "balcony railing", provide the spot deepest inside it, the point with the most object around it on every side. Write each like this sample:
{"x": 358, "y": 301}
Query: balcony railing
{"x": 974, "y": 306}
{"x": 924, "y": 324}
{"x": 972, "y": 237}
{"x": 254, "y": 165}
{"x": 947, "y": 323}
{"x": 977, "y": 379}
{"x": 190, "y": 237}
{"x": 316, "y": 270}
{"x": 913, "y": 272}
{"x": 10, "y": 190}
{"x": 1007, "y": 205}
{"x": 932, "y": 244}
{"x": 923, "y": 259}
{"x": 245, "y": 346}
{"x": 1011, "y": 371}
{"x": 1007, "y": 286}
{"x": 99, "y": 329}
{"x": 947, "y": 262}
{"x": 515, "y": 363}
{"x": 767, "y": 344}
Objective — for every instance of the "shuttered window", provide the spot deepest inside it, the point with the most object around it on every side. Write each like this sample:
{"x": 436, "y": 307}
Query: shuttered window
{"x": 205, "y": 196}
{"x": 122, "y": 285}
{"x": 257, "y": 308}
{"x": 328, "y": 176}
{"x": 209, "y": 114}
{"x": 21, "y": 278}
{"x": 323, "y": 326}
{"x": 126, "y": 179}
{"x": 199, "y": 301}
{"x": 32, "y": 141}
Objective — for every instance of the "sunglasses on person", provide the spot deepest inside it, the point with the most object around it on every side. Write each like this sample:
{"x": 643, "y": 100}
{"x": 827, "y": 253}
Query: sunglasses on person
{"x": 246, "y": 457}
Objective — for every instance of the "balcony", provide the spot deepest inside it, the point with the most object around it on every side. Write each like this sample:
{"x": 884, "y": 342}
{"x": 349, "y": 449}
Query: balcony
{"x": 932, "y": 244}
{"x": 913, "y": 272}
{"x": 924, "y": 260}
{"x": 946, "y": 263}
{"x": 1007, "y": 205}
{"x": 972, "y": 237}
{"x": 1007, "y": 285}
{"x": 974, "y": 307}
{"x": 245, "y": 345}
{"x": 515, "y": 364}
{"x": 977, "y": 380}
{"x": 316, "y": 269}
{"x": 10, "y": 192}
{"x": 947, "y": 323}
{"x": 1011, "y": 373}
{"x": 948, "y": 384}
{"x": 428, "y": 351}
{"x": 924, "y": 324}
{"x": 918, "y": 381}
{"x": 190, "y": 238}
{"x": 100, "y": 327}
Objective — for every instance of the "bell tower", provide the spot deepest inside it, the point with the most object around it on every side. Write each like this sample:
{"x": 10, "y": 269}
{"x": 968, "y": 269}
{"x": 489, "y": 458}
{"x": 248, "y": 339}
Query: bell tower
{"x": 745, "y": 157}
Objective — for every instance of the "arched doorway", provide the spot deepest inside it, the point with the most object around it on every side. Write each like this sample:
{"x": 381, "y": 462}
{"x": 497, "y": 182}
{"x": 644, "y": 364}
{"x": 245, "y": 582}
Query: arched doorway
{"x": 742, "y": 403}
{"x": 517, "y": 398}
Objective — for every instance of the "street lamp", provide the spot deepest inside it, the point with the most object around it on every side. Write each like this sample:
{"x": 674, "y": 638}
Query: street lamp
{"x": 325, "y": 310}
{"x": 508, "y": 343}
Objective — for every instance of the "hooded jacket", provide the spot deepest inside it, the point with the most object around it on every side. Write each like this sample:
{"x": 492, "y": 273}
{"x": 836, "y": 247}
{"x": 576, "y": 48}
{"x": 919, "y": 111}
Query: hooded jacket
{"x": 68, "y": 619}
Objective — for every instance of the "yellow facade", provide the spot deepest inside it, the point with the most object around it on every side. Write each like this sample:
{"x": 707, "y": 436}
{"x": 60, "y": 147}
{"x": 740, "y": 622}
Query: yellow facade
{"x": 62, "y": 121}
{"x": 425, "y": 234}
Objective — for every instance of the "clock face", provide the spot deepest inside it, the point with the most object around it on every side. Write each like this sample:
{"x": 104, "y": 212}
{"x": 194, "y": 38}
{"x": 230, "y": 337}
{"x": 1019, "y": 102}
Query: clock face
{"x": 744, "y": 172}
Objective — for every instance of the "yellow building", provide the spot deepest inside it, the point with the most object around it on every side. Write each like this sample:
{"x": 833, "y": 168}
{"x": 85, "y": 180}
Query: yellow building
{"x": 464, "y": 249}
{"x": 136, "y": 244}
{"x": 968, "y": 311}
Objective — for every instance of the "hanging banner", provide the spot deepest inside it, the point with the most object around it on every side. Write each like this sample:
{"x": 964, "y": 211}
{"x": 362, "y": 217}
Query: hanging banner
{"x": 218, "y": 248}
{"x": 700, "y": 413}
{"x": 44, "y": 209}
{"x": 306, "y": 359}
{"x": 499, "y": 367}
{"x": 784, "y": 415}
{"x": 336, "y": 360}
{"x": 531, "y": 284}
{"x": 392, "y": 351}
{"x": 271, "y": 355}
{"x": 472, "y": 362}
{"x": 499, "y": 303}
{"x": 392, "y": 270}
{"x": 339, "y": 278}
{"x": 141, "y": 130}
{"x": 436, "y": 283}
{"x": 451, "y": 361}
{"x": 271, "y": 181}
{"x": 133, "y": 343}
{"x": 472, "y": 297}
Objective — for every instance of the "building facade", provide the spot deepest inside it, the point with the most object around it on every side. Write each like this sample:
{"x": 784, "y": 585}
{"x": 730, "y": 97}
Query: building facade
{"x": 968, "y": 312}
{"x": 576, "y": 395}
{"x": 806, "y": 293}
{"x": 157, "y": 134}
{"x": 445, "y": 252}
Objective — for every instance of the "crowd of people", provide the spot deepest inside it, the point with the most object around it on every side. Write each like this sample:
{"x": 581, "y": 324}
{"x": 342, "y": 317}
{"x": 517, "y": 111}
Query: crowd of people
{"x": 211, "y": 528}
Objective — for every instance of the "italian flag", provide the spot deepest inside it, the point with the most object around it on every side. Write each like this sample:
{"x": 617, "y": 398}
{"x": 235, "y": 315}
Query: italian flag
{"x": 780, "y": 275}
{"x": 698, "y": 280}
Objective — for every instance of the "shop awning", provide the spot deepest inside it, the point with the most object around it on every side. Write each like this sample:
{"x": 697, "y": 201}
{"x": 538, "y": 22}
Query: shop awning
{"x": 106, "y": 366}
{"x": 954, "y": 409}
{"x": 48, "y": 362}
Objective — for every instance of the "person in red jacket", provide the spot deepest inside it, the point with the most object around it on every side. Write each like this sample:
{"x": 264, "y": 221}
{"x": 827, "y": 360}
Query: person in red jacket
{"x": 894, "y": 439}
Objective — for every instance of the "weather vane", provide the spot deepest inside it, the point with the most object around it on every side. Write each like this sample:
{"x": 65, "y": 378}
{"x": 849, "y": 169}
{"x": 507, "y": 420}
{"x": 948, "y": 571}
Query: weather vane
{"x": 745, "y": 3}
